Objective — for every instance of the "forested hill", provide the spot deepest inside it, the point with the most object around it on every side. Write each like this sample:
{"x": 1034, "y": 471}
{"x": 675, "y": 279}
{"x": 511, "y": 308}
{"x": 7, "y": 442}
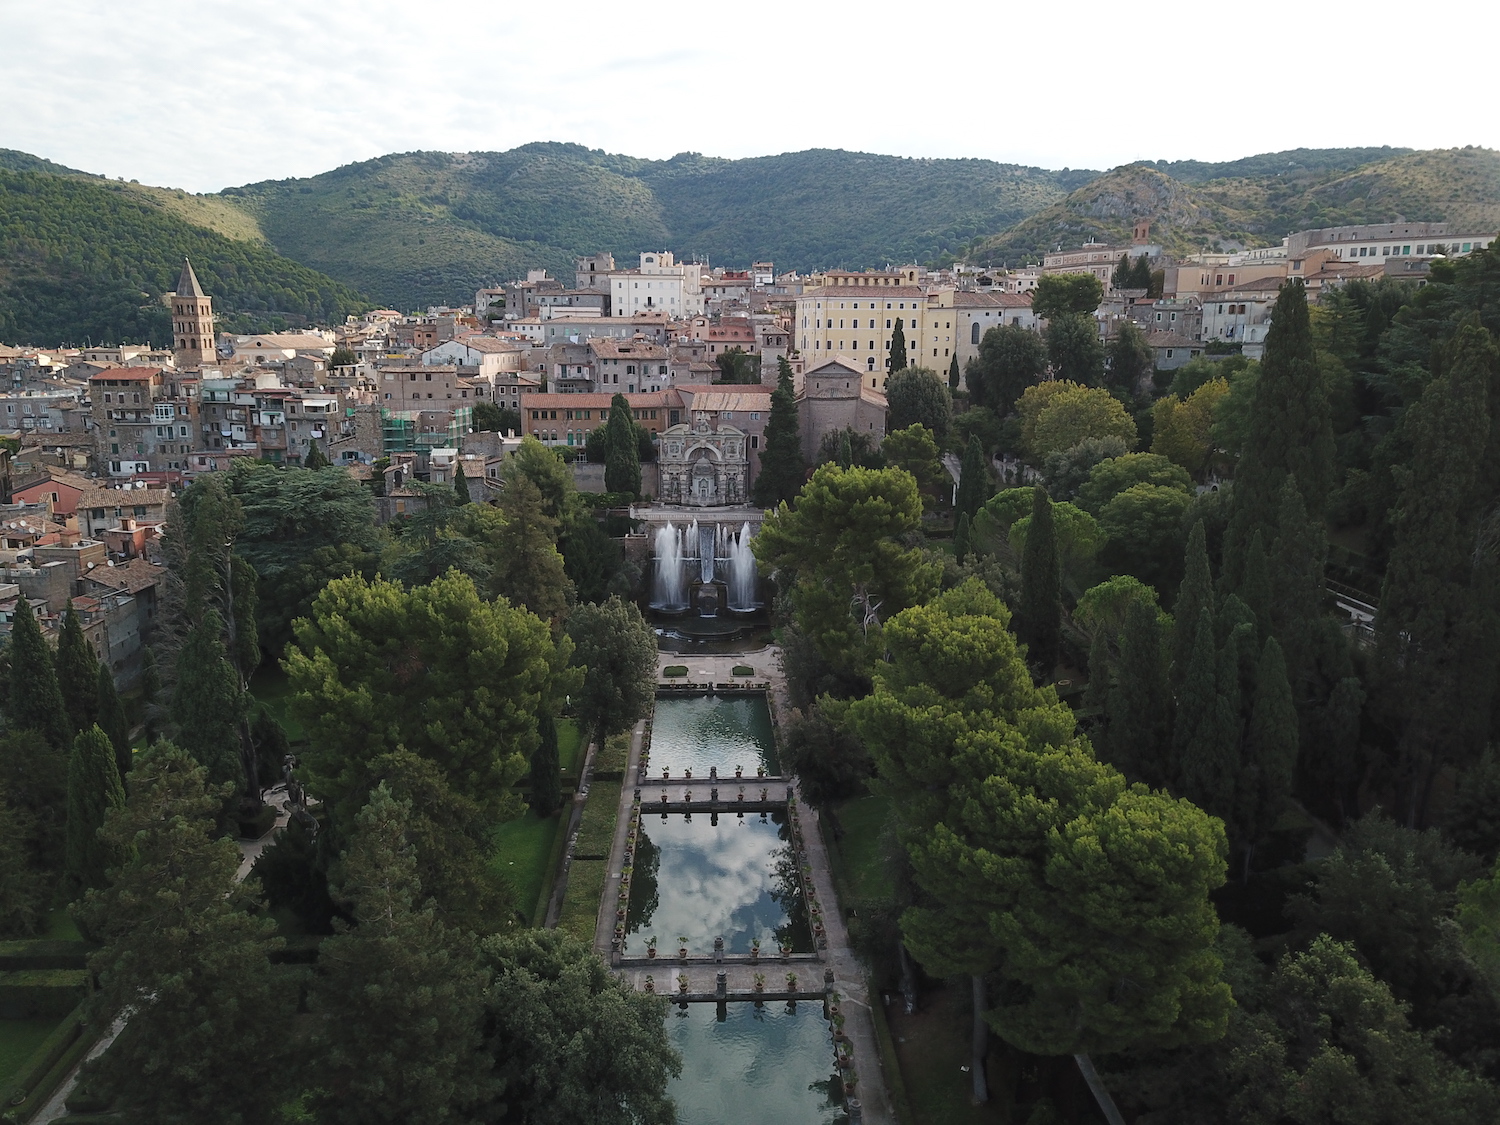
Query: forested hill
{"x": 422, "y": 227}
{"x": 82, "y": 257}
{"x": 1256, "y": 201}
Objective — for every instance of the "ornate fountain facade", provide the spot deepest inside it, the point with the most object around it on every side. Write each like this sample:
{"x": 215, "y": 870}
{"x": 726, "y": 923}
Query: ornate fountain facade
{"x": 703, "y": 465}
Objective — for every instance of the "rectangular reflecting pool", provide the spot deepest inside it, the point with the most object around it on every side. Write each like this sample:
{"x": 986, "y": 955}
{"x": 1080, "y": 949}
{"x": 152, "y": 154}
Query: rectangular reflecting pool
{"x": 700, "y": 731}
{"x": 736, "y": 880}
{"x": 756, "y": 1065}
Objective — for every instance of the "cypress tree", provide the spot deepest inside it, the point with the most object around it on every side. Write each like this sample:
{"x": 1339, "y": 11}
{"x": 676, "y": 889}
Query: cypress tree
{"x": 1255, "y": 587}
{"x": 1194, "y": 597}
{"x": 112, "y": 718}
{"x": 461, "y": 484}
{"x": 953, "y": 373}
{"x": 898, "y": 348}
{"x": 846, "y": 450}
{"x": 150, "y": 694}
{"x": 1270, "y": 745}
{"x": 973, "y": 481}
{"x": 77, "y": 672}
{"x": 93, "y": 789}
{"x": 36, "y": 702}
{"x": 1204, "y": 768}
{"x": 782, "y": 467}
{"x": 1290, "y": 433}
{"x": 208, "y": 702}
{"x": 1124, "y": 274}
{"x": 622, "y": 457}
{"x": 1296, "y": 580}
{"x": 314, "y": 458}
{"x": 1041, "y": 582}
{"x": 961, "y": 537}
{"x": 546, "y": 769}
{"x": 1140, "y": 701}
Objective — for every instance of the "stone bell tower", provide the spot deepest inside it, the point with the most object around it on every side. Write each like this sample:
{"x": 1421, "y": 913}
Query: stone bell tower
{"x": 192, "y": 322}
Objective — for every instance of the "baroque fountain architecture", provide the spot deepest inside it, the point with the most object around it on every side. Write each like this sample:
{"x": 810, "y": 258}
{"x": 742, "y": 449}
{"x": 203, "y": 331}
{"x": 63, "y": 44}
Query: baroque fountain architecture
{"x": 702, "y": 464}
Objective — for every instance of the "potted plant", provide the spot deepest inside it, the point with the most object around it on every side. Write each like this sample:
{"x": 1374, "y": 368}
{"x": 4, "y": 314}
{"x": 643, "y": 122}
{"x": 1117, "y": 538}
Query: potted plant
{"x": 650, "y": 983}
{"x": 682, "y": 948}
{"x": 688, "y": 774}
{"x": 665, "y": 773}
{"x": 786, "y": 952}
{"x": 754, "y": 950}
{"x": 651, "y": 948}
{"x": 791, "y": 982}
{"x": 682, "y": 983}
{"x": 739, "y": 770}
{"x": 760, "y": 771}
{"x": 760, "y": 982}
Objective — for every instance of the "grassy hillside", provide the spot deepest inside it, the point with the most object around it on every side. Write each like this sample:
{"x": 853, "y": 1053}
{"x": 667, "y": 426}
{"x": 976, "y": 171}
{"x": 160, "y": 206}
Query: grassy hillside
{"x": 419, "y": 228}
{"x": 83, "y": 257}
{"x": 1197, "y": 210}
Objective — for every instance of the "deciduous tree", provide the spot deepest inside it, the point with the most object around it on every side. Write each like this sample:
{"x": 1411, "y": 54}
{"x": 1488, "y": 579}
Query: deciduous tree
{"x": 1011, "y": 358}
{"x": 1131, "y": 361}
{"x": 615, "y": 650}
{"x": 917, "y": 397}
{"x": 1074, "y": 349}
{"x": 1061, "y": 294}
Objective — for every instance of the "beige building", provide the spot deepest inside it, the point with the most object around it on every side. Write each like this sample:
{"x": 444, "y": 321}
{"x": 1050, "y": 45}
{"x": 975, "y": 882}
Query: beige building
{"x": 852, "y": 316}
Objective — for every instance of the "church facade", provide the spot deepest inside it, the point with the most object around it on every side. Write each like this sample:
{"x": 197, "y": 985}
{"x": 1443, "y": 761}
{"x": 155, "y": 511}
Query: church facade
{"x": 702, "y": 464}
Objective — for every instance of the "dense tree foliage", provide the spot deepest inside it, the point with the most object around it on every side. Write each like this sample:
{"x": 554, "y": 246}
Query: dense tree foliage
{"x": 782, "y": 468}
{"x": 918, "y": 397}
{"x": 1011, "y": 358}
{"x": 615, "y": 651}
{"x": 90, "y": 258}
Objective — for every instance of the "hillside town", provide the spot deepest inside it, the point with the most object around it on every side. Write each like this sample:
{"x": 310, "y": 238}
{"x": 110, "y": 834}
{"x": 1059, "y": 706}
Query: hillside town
{"x": 104, "y": 435}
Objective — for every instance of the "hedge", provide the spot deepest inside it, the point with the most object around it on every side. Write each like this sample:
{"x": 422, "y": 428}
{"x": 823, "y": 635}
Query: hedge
{"x": 43, "y": 953}
{"x": 36, "y": 993}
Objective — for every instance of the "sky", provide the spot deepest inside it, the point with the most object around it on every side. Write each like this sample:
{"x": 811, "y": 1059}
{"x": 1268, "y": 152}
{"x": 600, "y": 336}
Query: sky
{"x": 206, "y": 94}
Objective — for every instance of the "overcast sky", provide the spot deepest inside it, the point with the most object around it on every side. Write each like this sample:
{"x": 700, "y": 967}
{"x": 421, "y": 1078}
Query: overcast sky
{"x": 203, "y": 95}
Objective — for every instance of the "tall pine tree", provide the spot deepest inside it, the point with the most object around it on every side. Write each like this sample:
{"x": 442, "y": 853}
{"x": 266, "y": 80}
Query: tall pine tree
{"x": 1041, "y": 583}
{"x": 150, "y": 694}
{"x": 77, "y": 671}
{"x": 898, "y": 348}
{"x": 461, "y": 484}
{"x": 36, "y": 702}
{"x": 93, "y": 789}
{"x": 208, "y": 704}
{"x": 1205, "y": 762}
{"x": 622, "y": 457}
{"x": 185, "y": 953}
{"x": 953, "y": 373}
{"x": 112, "y": 718}
{"x": 1290, "y": 431}
{"x": 1435, "y": 660}
{"x": 973, "y": 481}
{"x": 1194, "y": 596}
{"x": 1270, "y": 757}
{"x": 1296, "y": 563}
{"x": 1255, "y": 586}
{"x": 1140, "y": 701}
{"x": 782, "y": 468}
{"x": 399, "y": 993}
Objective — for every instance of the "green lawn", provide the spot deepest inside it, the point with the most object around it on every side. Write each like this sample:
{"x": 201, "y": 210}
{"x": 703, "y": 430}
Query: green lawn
{"x": 269, "y": 686}
{"x": 520, "y": 850}
{"x": 861, "y": 854}
{"x": 18, "y": 1040}
{"x": 569, "y": 750}
{"x": 933, "y": 1046}
{"x": 580, "y": 909}
{"x": 596, "y": 830}
{"x": 60, "y": 926}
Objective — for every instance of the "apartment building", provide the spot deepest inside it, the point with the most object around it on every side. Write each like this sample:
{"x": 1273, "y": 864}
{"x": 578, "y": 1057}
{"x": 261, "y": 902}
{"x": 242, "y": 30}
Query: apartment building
{"x": 145, "y": 419}
{"x": 659, "y": 284}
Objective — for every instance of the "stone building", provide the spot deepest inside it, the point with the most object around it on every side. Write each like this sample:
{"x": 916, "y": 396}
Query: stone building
{"x": 703, "y": 464}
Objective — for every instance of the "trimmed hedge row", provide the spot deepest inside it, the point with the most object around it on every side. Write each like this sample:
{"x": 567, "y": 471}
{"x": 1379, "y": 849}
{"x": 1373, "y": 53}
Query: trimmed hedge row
{"x": 43, "y": 953}
{"x": 27, "y": 994}
{"x": 58, "y": 1053}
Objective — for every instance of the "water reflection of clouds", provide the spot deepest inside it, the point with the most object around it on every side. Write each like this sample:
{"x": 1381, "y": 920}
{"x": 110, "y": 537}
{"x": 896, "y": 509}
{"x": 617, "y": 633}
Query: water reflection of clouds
{"x": 705, "y": 731}
{"x": 756, "y": 1065}
{"x": 716, "y": 881}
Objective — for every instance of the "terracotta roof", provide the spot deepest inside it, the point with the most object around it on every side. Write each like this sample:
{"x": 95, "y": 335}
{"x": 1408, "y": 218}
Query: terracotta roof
{"x": 992, "y": 300}
{"x": 720, "y": 399}
{"x": 130, "y": 374}
{"x": 123, "y": 497}
{"x": 132, "y": 577}
{"x": 1171, "y": 340}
